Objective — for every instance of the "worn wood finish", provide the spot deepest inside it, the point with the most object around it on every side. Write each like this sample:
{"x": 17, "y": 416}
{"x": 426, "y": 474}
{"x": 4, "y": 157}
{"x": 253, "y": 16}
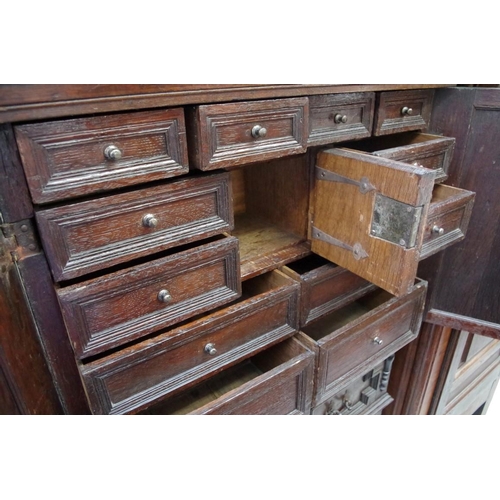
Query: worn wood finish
{"x": 389, "y": 118}
{"x": 15, "y": 201}
{"x": 109, "y": 311}
{"x": 354, "y": 339}
{"x": 324, "y": 287}
{"x": 345, "y": 213}
{"x": 277, "y": 381}
{"x": 222, "y": 133}
{"x": 64, "y": 159}
{"x": 468, "y": 281}
{"x": 366, "y": 395}
{"x": 37, "y": 281}
{"x": 133, "y": 378}
{"x": 35, "y": 102}
{"x": 88, "y": 236}
{"x": 427, "y": 150}
{"x": 460, "y": 322}
{"x": 340, "y": 117}
{"x": 20, "y": 351}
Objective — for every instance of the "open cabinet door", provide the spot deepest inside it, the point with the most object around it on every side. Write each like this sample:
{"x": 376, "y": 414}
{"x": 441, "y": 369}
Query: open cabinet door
{"x": 368, "y": 215}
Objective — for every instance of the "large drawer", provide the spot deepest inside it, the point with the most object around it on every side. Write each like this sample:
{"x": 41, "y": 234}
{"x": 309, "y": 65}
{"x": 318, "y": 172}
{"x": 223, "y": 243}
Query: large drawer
{"x": 324, "y": 286}
{"x": 277, "y": 381}
{"x": 226, "y": 135}
{"x": 402, "y": 111}
{"x": 84, "y": 237}
{"x": 354, "y": 339}
{"x": 109, "y": 311}
{"x": 68, "y": 158}
{"x": 136, "y": 377}
{"x": 340, "y": 117}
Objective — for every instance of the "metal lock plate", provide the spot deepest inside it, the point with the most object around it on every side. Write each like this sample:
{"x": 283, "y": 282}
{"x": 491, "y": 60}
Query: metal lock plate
{"x": 395, "y": 222}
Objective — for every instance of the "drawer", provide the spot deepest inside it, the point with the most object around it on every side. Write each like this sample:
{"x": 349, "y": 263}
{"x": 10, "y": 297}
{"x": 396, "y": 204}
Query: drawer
{"x": 225, "y": 135}
{"x": 68, "y": 158}
{"x": 136, "y": 377}
{"x": 402, "y": 111}
{"x": 92, "y": 235}
{"x": 277, "y": 381}
{"x": 340, "y": 117}
{"x": 369, "y": 214}
{"x": 367, "y": 395}
{"x": 117, "y": 308}
{"x": 354, "y": 339}
{"x": 426, "y": 150}
{"x": 324, "y": 286}
{"x": 447, "y": 219}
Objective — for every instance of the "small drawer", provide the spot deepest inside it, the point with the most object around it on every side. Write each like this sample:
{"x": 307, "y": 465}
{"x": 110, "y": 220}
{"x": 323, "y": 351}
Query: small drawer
{"x": 366, "y": 395}
{"x": 92, "y": 235}
{"x": 226, "y": 135}
{"x": 68, "y": 158}
{"x": 112, "y": 310}
{"x": 136, "y": 377}
{"x": 447, "y": 220}
{"x": 277, "y": 381}
{"x": 354, "y": 339}
{"x": 340, "y": 117}
{"x": 402, "y": 111}
{"x": 425, "y": 150}
{"x": 325, "y": 287}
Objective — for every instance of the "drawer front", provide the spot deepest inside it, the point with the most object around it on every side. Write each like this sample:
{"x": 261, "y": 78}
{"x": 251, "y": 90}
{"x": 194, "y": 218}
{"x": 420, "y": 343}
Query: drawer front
{"x": 107, "y": 312}
{"x": 136, "y": 377}
{"x": 340, "y": 117}
{"x": 361, "y": 344}
{"x": 93, "y": 235}
{"x": 426, "y": 150}
{"x": 401, "y": 111}
{"x": 277, "y": 381}
{"x": 69, "y": 158}
{"x": 447, "y": 219}
{"x": 232, "y": 134}
{"x": 325, "y": 289}
{"x": 367, "y": 395}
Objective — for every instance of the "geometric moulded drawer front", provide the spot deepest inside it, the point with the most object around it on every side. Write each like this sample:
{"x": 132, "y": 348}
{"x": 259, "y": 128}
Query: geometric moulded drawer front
{"x": 136, "y": 377}
{"x": 91, "y": 235}
{"x": 354, "y": 339}
{"x": 109, "y": 311}
{"x": 68, "y": 158}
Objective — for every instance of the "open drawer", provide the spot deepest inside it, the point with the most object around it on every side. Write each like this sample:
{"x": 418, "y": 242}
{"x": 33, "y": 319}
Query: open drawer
{"x": 136, "y": 377}
{"x": 277, "y": 381}
{"x": 355, "y": 338}
{"x": 371, "y": 215}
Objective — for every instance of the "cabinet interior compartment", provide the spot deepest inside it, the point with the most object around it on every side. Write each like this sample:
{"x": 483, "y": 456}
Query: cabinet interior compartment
{"x": 271, "y": 203}
{"x": 351, "y": 312}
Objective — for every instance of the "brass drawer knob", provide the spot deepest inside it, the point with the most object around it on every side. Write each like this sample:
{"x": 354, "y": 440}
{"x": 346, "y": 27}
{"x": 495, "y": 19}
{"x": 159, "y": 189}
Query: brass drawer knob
{"x": 378, "y": 341}
{"x": 258, "y": 132}
{"x": 112, "y": 153}
{"x": 406, "y": 111}
{"x": 338, "y": 118}
{"x": 149, "y": 220}
{"x": 437, "y": 230}
{"x": 210, "y": 349}
{"x": 164, "y": 296}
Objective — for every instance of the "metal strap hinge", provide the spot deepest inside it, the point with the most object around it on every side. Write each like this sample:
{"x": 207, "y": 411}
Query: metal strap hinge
{"x": 325, "y": 175}
{"x": 357, "y": 250}
{"x": 19, "y": 239}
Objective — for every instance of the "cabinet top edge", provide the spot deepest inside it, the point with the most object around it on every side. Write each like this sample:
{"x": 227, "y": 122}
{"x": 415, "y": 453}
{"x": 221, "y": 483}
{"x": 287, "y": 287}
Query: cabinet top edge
{"x": 24, "y": 102}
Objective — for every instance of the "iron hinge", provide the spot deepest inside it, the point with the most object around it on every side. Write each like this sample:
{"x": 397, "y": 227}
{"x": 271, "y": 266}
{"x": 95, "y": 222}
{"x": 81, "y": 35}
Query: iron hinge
{"x": 19, "y": 239}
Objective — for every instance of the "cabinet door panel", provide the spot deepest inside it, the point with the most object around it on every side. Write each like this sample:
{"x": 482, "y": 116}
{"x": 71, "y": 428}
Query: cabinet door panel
{"x": 367, "y": 216}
